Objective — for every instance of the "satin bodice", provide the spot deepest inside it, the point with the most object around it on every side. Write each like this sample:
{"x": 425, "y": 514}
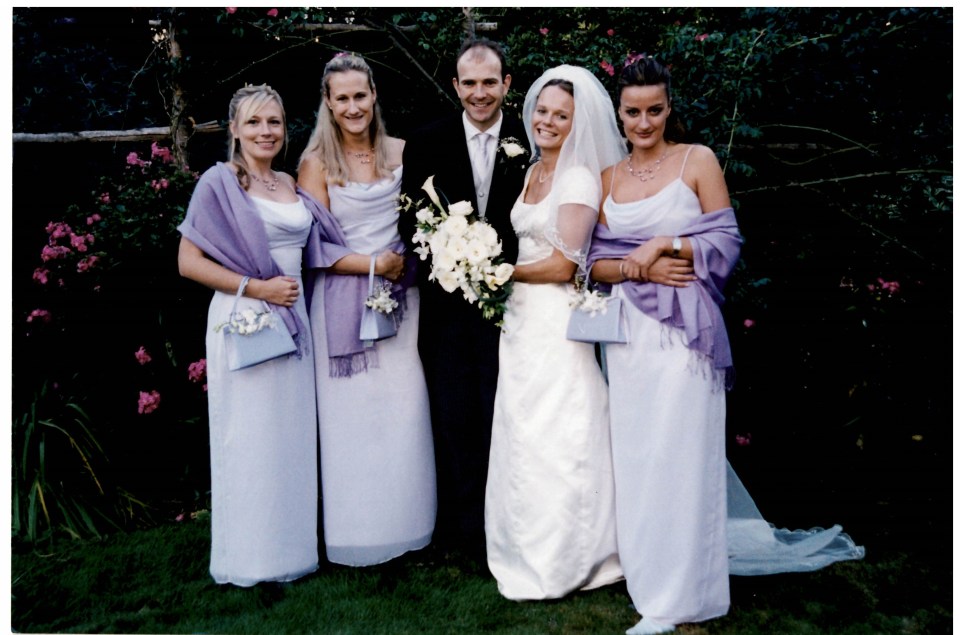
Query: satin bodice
{"x": 367, "y": 212}
{"x": 287, "y": 226}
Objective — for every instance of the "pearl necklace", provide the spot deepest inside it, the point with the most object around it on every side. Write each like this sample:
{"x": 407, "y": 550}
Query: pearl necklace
{"x": 271, "y": 185}
{"x": 645, "y": 174}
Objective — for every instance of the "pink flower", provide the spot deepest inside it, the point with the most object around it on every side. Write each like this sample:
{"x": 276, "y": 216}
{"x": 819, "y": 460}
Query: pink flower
{"x": 607, "y": 66}
{"x": 273, "y": 13}
{"x": 160, "y": 152}
{"x": 610, "y": 32}
{"x": 87, "y": 263}
{"x": 544, "y": 31}
{"x": 748, "y": 323}
{"x": 231, "y": 10}
{"x": 702, "y": 37}
{"x": 143, "y": 356}
{"x": 105, "y": 198}
{"x": 57, "y": 231}
{"x": 133, "y": 159}
{"x": 148, "y": 402}
{"x": 743, "y": 439}
{"x": 197, "y": 371}
{"x": 39, "y": 314}
{"x": 53, "y": 252}
{"x": 891, "y": 287}
{"x": 93, "y": 218}
{"x": 180, "y": 517}
{"x": 78, "y": 242}
{"x": 40, "y": 275}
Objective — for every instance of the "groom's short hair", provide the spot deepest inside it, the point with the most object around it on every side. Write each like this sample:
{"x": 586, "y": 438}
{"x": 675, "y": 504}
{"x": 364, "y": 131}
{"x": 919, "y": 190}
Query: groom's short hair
{"x": 474, "y": 42}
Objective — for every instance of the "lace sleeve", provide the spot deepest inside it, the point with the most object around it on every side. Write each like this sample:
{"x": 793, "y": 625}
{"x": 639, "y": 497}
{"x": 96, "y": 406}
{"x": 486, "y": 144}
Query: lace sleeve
{"x": 576, "y": 202}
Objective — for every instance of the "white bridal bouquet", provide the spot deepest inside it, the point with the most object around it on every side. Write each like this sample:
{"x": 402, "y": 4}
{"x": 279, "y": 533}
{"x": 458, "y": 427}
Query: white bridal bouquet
{"x": 465, "y": 252}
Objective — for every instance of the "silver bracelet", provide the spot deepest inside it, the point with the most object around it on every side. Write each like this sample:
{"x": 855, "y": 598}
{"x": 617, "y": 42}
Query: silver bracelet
{"x": 623, "y": 276}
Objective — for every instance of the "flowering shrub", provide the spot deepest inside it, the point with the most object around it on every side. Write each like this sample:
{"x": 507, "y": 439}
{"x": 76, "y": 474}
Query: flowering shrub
{"x": 106, "y": 274}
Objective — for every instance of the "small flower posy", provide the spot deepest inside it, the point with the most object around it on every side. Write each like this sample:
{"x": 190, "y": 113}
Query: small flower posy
{"x": 466, "y": 253}
{"x": 248, "y": 322}
{"x": 591, "y": 302}
{"x": 381, "y": 300}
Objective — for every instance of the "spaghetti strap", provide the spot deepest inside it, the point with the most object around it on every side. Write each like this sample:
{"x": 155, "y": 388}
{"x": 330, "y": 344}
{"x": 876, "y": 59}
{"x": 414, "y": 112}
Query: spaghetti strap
{"x": 613, "y": 177}
{"x": 685, "y": 157}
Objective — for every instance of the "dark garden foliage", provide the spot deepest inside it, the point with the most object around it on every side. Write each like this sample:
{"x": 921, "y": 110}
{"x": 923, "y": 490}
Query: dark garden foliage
{"x": 838, "y": 158}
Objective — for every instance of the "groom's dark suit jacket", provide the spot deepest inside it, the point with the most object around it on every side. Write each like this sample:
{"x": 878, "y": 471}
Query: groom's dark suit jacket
{"x": 459, "y": 348}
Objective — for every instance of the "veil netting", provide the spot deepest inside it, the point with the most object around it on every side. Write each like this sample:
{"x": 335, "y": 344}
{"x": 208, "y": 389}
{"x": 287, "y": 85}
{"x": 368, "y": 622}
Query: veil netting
{"x": 593, "y": 144}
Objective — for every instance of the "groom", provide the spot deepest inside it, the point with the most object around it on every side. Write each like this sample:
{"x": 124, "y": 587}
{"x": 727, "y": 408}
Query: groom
{"x": 459, "y": 348}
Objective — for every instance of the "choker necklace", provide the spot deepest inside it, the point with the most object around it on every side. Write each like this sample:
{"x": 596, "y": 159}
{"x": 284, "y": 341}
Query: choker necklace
{"x": 271, "y": 185}
{"x": 645, "y": 174}
{"x": 363, "y": 156}
{"x": 541, "y": 178}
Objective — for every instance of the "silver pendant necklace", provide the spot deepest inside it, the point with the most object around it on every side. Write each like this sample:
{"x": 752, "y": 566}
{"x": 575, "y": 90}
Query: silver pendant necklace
{"x": 645, "y": 174}
{"x": 271, "y": 185}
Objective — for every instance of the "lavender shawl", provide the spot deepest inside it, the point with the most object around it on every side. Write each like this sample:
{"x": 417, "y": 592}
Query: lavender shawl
{"x": 344, "y": 295}
{"x": 222, "y": 221}
{"x": 716, "y": 245}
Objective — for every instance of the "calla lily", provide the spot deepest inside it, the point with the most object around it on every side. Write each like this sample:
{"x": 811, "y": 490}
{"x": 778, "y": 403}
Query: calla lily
{"x": 432, "y": 193}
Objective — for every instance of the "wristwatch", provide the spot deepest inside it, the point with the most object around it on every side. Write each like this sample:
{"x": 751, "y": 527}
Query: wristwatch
{"x": 677, "y": 246}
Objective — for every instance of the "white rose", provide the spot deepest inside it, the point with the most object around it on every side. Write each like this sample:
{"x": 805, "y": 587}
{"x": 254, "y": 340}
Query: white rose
{"x": 486, "y": 233}
{"x": 503, "y": 273}
{"x": 449, "y": 280}
{"x": 443, "y": 260}
{"x": 423, "y": 251}
{"x": 457, "y": 247}
{"x": 477, "y": 252}
{"x": 512, "y": 149}
{"x": 461, "y": 208}
{"x": 455, "y": 225}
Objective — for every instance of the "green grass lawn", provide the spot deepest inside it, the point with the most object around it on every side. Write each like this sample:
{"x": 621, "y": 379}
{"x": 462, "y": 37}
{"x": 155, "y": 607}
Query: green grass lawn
{"x": 156, "y": 581}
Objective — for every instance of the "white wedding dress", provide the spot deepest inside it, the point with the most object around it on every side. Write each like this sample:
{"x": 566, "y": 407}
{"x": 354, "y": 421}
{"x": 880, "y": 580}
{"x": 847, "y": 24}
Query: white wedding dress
{"x": 549, "y": 514}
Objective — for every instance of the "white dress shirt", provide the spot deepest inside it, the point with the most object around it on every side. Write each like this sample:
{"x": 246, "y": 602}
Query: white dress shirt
{"x": 482, "y": 171}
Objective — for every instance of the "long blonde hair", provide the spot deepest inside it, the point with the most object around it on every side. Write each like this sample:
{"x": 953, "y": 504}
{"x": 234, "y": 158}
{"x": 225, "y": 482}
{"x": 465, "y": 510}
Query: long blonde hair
{"x": 326, "y": 142}
{"x": 245, "y": 103}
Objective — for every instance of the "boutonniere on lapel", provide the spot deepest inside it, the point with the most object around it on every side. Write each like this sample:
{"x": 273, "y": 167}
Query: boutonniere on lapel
{"x": 510, "y": 152}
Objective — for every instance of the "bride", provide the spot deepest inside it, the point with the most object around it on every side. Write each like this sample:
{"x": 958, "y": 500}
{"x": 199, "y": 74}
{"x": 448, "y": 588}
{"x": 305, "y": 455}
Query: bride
{"x": 549, "y": 513}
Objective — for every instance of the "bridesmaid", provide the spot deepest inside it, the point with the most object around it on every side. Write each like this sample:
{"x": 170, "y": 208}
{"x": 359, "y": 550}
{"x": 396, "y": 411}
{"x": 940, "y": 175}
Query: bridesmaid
{"x": 377, "y": 464}
{"x": 245, "y": 221}
{"x": 667, "y": 203}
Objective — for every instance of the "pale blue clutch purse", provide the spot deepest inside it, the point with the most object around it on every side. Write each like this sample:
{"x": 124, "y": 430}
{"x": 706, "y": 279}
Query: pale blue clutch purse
{"x": 267, "y": 342}
{"x": 598, "y": 327}
{"x": 375, "y": 325}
